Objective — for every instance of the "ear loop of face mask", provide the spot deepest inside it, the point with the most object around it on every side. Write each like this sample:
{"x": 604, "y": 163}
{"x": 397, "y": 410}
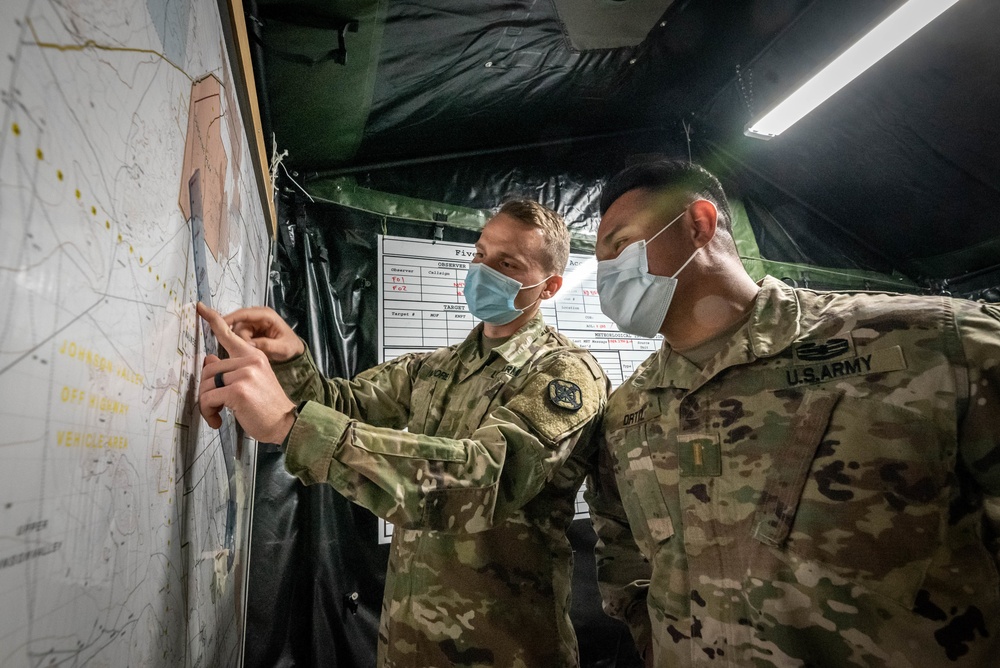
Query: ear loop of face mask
{"x": 528, "y": 287}
{"x": 686, "y": 262}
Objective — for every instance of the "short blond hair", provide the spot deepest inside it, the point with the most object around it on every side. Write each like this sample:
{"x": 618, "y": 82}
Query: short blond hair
{"x": 555, "y": 252}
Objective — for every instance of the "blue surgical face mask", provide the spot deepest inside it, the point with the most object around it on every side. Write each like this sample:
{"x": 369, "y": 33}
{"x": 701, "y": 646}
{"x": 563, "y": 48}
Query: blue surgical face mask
{"x": 490, "y": 295}
{"x": 636, "y": 300}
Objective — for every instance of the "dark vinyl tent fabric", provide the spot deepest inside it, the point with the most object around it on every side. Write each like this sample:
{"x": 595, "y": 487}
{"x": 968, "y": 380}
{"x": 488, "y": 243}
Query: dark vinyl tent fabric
{"x": 900, "y": 164}
{"x": 415, "y": 118}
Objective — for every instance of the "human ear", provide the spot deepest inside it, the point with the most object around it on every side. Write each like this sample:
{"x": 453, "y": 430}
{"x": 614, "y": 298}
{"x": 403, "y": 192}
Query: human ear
{"x": 551, "y": 287}
{"x": 705, "y": 220}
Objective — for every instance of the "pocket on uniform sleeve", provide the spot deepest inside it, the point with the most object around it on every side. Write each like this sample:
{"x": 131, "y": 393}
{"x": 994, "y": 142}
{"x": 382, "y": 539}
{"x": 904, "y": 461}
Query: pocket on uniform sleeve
{"x": 391, "y": 443}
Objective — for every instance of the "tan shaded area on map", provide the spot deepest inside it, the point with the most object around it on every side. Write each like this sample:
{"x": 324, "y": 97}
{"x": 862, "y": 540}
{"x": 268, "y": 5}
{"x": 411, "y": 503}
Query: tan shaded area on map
{"x": 204, "y": 150}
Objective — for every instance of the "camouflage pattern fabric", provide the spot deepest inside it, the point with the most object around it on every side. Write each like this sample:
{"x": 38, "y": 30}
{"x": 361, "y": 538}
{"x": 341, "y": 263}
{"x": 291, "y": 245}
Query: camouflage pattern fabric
{"x": 825, "y": 492}
{"x": 481, "y": 489}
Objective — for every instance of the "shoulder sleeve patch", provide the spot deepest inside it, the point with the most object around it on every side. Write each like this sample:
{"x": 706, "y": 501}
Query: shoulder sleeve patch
{"x": 559, "y": 398}
{"x": 565, "y": 394}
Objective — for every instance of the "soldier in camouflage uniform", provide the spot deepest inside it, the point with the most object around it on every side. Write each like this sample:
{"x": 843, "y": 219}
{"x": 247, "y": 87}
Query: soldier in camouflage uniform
{"x": 481, "y": 486}
{"x": 797, "y": 478}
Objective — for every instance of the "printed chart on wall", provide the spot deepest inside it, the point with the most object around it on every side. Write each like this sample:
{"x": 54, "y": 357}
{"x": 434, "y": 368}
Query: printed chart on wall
{"x": 127, "y": 193}
{"x": 421, "y": 308}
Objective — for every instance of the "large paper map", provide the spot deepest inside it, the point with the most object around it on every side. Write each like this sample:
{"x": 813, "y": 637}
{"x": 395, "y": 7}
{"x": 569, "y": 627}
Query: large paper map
{"x": 116, "y": 501}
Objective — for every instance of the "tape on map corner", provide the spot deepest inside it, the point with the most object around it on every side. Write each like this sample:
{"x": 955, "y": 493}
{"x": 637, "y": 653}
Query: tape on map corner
{"x": 221, "y": 565}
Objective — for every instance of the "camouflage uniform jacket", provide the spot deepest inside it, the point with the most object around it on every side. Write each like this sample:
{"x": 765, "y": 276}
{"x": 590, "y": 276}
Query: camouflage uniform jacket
{"x": 481, "y": 489}
{"x": 825, "y": 492}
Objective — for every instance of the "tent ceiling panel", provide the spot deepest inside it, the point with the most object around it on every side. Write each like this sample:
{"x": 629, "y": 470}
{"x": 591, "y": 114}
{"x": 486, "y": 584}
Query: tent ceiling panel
{"x": 902, "y": 161}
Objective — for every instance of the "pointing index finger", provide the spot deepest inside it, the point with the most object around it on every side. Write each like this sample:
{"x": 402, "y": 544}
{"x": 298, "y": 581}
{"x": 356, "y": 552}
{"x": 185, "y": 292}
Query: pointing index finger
{"x": 226, "y": 336}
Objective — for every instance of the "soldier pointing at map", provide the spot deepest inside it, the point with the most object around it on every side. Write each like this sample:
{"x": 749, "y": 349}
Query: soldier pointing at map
{"x": 797, "y": 478}
{"x": 482, "y": 484}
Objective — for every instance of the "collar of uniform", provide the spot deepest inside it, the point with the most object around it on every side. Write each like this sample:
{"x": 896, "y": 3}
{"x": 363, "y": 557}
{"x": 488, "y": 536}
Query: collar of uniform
{"x": 775, "y": 322}
{"x": 772, "y": 327}
{"x": 665, "y": 368}
{"x": 468, "y": 350}
{"x": 515, "y": 350}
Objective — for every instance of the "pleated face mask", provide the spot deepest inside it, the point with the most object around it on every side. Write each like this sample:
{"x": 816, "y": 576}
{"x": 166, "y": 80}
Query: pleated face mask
{"x": 636, "y": 300}
{"x": 490, "y": 295}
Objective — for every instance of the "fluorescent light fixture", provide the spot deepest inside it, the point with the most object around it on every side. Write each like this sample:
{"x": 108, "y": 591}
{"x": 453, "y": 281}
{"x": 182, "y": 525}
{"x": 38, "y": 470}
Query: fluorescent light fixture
{"x": 886, "y": 36}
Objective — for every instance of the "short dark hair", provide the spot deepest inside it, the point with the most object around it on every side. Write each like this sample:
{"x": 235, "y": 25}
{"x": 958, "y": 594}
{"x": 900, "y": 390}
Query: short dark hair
{"x": 663, "y": 175}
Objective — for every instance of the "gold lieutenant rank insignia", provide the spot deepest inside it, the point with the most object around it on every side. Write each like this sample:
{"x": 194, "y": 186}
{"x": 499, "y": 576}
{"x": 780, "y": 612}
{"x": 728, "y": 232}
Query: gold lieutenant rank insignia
{"x": 565, "y": 394}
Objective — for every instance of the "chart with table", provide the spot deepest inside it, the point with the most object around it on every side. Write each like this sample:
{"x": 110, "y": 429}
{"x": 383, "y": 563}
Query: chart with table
{"x": 422, "y": 307}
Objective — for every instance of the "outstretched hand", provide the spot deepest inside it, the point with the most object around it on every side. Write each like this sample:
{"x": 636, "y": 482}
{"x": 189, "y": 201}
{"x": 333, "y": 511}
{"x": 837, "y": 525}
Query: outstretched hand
{"x": 266, "y": 331}
{"x": 249, "y": 387}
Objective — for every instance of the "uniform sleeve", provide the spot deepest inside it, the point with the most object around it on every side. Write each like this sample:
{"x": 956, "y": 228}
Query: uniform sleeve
{"x": 417, "y": 481}
{"x": 623, "y": 573}
{"x": 979, "y": 430}
{"x": 379, "y": 396}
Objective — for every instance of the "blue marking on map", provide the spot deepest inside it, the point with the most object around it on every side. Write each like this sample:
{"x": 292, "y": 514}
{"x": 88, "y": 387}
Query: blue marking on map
{"x": 170, "y": 18}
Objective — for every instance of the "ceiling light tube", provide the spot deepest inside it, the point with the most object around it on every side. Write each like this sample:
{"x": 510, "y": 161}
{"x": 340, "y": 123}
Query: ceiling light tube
{"x": 886, "y": 36}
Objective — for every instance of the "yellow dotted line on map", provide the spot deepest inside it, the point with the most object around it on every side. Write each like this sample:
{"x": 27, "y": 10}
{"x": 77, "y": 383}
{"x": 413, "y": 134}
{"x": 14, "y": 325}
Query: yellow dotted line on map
{"x": 187, "y": 313}
{"x": 16, "y": 130}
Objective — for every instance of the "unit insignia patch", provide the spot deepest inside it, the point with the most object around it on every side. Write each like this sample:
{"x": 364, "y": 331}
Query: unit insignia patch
{"x": 565, "y": 394}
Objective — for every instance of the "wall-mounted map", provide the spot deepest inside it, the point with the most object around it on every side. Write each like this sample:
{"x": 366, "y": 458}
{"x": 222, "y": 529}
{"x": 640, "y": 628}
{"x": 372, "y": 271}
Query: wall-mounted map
{"x": 116, "y": 501}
